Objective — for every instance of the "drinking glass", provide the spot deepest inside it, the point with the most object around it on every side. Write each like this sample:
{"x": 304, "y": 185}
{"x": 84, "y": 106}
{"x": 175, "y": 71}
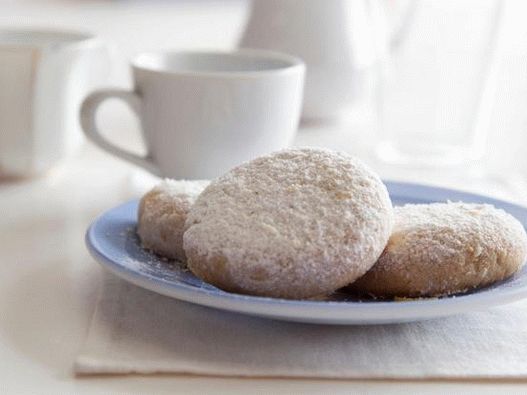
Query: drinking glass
{"x": 437, "y": 88}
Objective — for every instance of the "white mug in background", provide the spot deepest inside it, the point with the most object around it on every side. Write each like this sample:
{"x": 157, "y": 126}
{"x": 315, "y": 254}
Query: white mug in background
{"x": 204, "y": 112}
{"x": 44, "y": 74}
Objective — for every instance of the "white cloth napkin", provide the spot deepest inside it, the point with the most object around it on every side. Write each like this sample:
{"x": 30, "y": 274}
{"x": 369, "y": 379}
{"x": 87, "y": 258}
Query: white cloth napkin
{"x": 137, "y": 331}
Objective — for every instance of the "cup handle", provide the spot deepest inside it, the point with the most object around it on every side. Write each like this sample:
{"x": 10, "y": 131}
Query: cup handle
{"x": 87, "y": 118}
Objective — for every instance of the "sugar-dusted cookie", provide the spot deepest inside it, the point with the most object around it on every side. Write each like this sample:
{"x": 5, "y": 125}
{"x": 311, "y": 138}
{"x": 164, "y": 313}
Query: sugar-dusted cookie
{"x": 297, "y": 223}
{"x": 445, "y": 248}
{"x": 162, "y": 214}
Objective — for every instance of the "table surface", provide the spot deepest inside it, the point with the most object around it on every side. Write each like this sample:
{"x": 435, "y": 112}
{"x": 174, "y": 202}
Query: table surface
{"x": 48, "y": 282}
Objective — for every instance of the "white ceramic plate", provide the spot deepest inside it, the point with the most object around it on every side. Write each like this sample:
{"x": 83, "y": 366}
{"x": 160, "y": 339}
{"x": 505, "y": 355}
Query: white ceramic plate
{"x": 112, "y": 241}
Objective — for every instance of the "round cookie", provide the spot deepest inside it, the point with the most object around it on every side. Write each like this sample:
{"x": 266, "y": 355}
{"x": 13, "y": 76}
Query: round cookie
{"x": 162, "y": 214}
{"x": 445, "y": 248}
{"x": 293, "y": 224}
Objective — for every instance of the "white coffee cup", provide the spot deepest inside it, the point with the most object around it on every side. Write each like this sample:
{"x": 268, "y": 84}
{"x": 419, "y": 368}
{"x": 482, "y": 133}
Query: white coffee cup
{"x": 205, "y": 112}
{"x": 44, "y": 74}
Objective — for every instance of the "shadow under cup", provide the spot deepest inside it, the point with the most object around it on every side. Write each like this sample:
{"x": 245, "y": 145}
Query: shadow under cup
{"x": 203, "y": 113}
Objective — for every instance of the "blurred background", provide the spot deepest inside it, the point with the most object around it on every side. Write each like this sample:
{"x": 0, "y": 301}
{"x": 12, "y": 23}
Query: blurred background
{"x": 429, "y": 91}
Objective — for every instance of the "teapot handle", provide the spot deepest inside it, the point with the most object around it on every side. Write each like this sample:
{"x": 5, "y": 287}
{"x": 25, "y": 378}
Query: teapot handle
{"x": 391, "y": 23}
{"x": 400, "y": 29}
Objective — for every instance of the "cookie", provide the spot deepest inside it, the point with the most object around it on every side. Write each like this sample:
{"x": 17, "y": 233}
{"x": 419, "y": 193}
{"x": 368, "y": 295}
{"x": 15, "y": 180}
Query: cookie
{"x": 162, "y": 214}
{"x": 446, "y": 248}
{"x": 294, "y": 224}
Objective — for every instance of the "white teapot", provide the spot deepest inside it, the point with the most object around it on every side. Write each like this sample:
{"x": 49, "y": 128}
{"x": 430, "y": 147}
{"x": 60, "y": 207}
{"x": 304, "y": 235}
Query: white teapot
{"x": 339, "y": 40}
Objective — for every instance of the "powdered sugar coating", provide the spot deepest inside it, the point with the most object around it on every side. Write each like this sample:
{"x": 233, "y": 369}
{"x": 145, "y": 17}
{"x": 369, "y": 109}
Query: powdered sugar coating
{"x": 294, "y": 224}
{"x": 446, "y": 248}
{"x": 162, "y": 214}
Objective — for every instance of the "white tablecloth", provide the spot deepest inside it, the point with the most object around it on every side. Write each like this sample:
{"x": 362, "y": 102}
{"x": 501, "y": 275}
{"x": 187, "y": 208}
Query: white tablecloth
{"x": 137, "y": 331}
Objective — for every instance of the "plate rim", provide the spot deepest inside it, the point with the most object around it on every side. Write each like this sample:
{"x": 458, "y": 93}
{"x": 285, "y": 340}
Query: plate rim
{"x": 326, "y": 311}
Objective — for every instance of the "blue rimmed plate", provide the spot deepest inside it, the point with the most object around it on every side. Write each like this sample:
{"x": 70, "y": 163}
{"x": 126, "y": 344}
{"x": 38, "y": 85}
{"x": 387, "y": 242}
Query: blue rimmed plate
{"x": 112, "y": 241}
